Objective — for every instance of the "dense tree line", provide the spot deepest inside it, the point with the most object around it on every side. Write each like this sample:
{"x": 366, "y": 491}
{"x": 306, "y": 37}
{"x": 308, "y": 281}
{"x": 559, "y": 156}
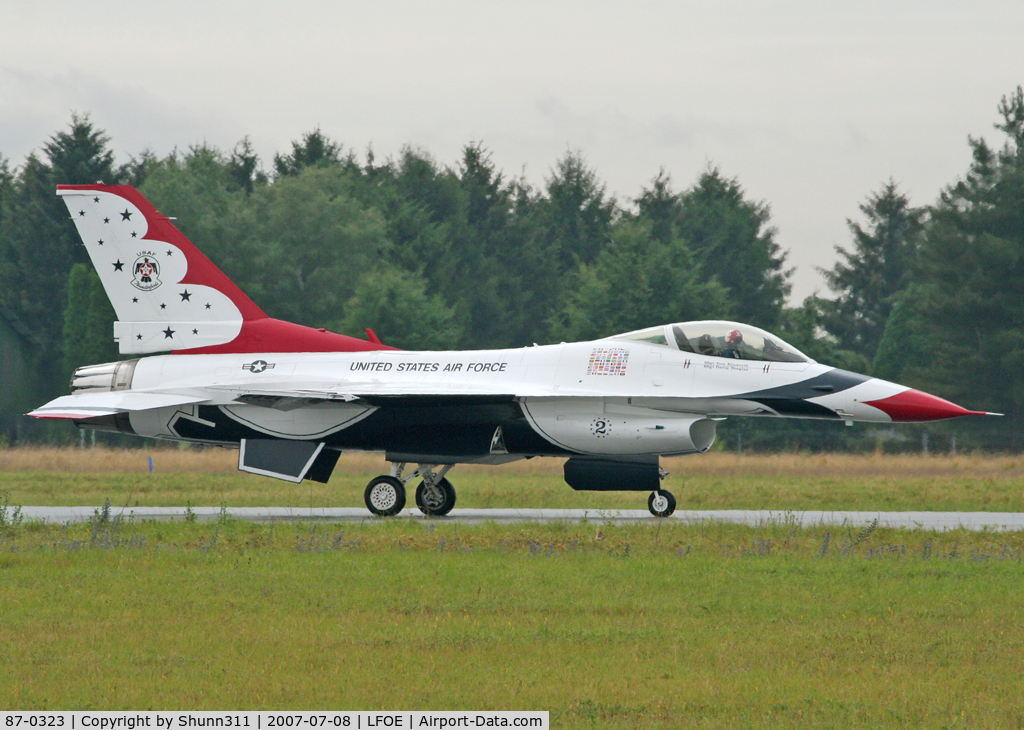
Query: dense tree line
{"x": 933, "y": 297}
{"x": 433, "y": 256}
{"x": 429, "y": 256}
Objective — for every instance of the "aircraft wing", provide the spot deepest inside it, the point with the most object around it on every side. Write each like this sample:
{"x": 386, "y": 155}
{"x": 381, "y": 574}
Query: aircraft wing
{"x": 91, "y": 405}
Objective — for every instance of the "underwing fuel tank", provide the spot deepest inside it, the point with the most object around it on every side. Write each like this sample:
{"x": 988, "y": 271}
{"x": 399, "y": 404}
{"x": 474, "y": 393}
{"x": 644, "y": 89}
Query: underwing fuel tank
{"x": 622, "y": 474}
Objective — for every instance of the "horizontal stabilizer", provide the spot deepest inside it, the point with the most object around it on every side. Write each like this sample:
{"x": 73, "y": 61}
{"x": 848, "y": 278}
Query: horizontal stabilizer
{"x": 138, "y": 338}
{"x": 291, "y": 461}
{"x": 91, "y": 405}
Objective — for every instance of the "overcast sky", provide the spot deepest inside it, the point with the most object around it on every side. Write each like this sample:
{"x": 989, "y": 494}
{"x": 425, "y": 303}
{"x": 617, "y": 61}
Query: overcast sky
{"x": 811, "y": 105}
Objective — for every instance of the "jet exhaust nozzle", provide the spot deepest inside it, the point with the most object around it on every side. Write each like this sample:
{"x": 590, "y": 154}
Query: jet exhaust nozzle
{"x": 105, "y": 377}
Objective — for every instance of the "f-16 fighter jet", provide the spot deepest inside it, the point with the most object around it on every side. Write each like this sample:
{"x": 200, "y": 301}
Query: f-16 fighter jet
{"x": 209, "y": 366}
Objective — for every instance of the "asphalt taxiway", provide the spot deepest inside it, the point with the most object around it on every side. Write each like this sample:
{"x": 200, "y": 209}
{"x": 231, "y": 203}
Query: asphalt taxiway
{"x": 996, "y": 521}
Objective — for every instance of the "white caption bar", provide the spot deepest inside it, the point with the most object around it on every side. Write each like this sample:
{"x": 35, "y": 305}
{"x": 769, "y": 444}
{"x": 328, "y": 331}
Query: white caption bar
{"x": 125, "y": 720}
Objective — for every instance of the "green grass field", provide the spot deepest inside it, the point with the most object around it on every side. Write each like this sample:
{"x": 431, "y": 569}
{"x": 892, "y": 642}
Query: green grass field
{"x": 658, "y": 625}
{"x": 605, "y": 626}
{"x": 712, "y": 481}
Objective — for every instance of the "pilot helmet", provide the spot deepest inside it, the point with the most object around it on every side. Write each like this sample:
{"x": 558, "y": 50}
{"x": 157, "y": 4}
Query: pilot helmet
{"x": 734, "y": 338}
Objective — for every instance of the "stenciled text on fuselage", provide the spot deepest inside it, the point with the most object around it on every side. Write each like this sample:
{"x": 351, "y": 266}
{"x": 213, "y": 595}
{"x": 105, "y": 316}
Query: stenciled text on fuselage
{"x": 430, "y": 367}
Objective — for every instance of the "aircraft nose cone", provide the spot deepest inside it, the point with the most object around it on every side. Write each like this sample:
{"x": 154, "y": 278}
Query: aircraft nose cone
{"x": 914, "y": 405}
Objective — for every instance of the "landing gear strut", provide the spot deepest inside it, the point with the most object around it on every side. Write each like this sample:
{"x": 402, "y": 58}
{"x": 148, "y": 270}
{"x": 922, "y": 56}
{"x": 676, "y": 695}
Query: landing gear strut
{"x": 661, "y": 503}
{"x": 435, "y": 495}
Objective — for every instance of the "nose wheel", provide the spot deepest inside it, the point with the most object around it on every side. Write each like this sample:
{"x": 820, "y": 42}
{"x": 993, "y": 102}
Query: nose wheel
{"x": 661, "y": 503}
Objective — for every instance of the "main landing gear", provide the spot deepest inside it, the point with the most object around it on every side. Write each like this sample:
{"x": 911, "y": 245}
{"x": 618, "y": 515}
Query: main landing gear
{"x": 435, "y": 495}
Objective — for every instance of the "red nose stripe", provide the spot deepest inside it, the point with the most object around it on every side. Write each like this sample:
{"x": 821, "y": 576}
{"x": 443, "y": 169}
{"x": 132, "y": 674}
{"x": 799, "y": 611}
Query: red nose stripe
{"x": 913, "y": 405}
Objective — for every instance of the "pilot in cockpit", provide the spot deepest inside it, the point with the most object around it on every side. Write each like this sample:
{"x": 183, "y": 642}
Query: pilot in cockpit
{"x": 733, "y": 340}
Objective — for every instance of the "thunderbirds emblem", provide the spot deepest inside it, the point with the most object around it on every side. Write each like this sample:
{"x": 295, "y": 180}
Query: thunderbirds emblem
{"x": 147, "y": 273}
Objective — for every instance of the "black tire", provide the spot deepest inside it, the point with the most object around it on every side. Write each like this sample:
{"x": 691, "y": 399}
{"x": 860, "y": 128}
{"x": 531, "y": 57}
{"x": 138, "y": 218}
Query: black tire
{"x": 661, "y": 503}
{"x": 384, "y": 496}
{"x": 436, "y": 509}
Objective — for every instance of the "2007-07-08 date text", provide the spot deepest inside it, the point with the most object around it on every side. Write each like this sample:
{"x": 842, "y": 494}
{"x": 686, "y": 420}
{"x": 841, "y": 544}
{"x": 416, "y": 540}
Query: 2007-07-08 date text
{"x": 309, "y": 721}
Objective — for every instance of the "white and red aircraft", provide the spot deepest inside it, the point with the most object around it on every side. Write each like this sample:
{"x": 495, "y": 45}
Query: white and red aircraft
{"x": 292, "y": 397}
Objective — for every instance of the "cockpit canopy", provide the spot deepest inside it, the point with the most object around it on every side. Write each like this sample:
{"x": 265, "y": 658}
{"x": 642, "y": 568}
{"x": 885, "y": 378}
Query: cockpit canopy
{"x": 719, "y": 339}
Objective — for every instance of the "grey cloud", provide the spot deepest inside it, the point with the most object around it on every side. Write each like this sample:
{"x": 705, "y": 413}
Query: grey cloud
{"x": 38, "y": 105}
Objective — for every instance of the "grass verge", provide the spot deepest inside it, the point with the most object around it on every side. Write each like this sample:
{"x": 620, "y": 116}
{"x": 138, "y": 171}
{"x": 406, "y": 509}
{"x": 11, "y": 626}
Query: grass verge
{"x": 606, "y": 626}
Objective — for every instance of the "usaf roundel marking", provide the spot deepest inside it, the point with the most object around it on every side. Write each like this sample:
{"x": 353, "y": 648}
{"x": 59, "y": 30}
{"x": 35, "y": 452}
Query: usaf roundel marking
{"x": 258, "y": 366}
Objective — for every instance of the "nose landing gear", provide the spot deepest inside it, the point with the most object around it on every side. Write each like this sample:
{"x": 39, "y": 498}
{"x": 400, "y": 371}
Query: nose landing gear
{"x": 661, "y": 503}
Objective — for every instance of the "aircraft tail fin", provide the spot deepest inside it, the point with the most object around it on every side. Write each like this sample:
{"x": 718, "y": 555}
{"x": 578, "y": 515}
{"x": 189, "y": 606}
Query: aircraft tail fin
{"x": 167, "y": 294}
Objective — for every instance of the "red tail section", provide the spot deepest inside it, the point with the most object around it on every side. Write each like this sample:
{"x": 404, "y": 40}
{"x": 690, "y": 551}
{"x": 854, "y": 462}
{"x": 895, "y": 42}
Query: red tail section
{"x": 167, "y": 294}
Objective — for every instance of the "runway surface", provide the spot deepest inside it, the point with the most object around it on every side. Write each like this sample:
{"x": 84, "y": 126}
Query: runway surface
{"x": 1000, "y": 521}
